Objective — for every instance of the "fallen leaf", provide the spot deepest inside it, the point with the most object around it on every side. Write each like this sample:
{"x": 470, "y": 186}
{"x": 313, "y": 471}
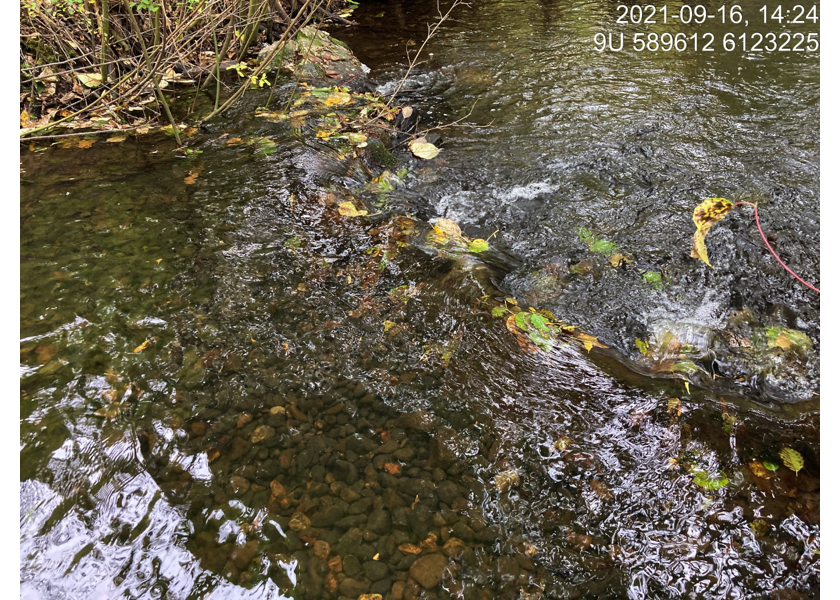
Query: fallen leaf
{"x": 479, "y": 245}
{"x": 90, "y": 80}
{"x": 410, "y": 549}
{"x": 759, "y": 470}
{"x": 141, "y": 347}
{"x": 348, "y": 209}
{"x": 713, "y": 481}
{"x": 709, "y": 212}
{"x": 424, "y": 150}
{"x": 86, "y": 143}
{"x": 116, "y": 139}
{"x": 26, "y": 120}
{"x": 338, "y": 98}
{"x": 192, "y": 177}
{"x": 617, "y": 260}
{"x": 521, "y": 337}
{"x": 792, "y": 459}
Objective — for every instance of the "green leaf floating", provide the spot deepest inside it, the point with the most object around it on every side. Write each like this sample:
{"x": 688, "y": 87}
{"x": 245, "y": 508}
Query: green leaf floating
{"x": 479, "y": 245}
{"x": 792, "y": 459}
{"x": 709, "y": 481}
{"x": 540, "y": 322}
{"x": 770, "y": 466}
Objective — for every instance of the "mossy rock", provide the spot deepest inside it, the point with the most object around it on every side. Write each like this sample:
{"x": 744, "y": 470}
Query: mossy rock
{"x": 326, "y": 57}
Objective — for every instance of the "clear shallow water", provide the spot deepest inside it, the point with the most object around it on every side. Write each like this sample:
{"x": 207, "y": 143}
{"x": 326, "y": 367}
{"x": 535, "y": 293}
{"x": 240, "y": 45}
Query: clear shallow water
{"x": 269, "y": 365}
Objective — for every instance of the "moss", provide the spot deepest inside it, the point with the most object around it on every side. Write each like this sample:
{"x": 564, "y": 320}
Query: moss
{"x": 381, "y": 156}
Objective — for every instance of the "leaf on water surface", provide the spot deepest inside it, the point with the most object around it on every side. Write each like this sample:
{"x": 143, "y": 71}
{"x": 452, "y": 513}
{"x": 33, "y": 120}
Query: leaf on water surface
{"x": 117, "y": 139}
{"x": 337, "y": 99}
{"x": 110, "y": 412}
{"x": 522, "y": 320}
{"x": 348, "y": 209}
{"x": 192, "y": 177}
{"x": 770, "y": 465}
{"x": 603, "y": 247}
{"x": 787, "y": 339}
{"x": 792, "y": 459}
{"x": 233, "y": 141}
{"x": 506, "y": 480}
{"x": 709, "y": 481}
{"x": 616, "y": 260}
{"x": 709, "y": 212}
{"x": 589, "y": 341}
{"x": 540, "y": 322}
{"x": 654, "y": 279}
{"x": 523, "y": 340}
{"x": 600, "y": 246}
{"x": 423, "y": 150}
{"x": 479, "y": 245}
{"x": 562, "y": 444}
{"x": 142, "y": 347}
{"x": 448, "y": 227}
{"x": 674, "y": 406}
{"x": 543, "y": 343}
{"x": 759, "y": 470}
{"x": 356, "y": 138}
{"x": 86, "y": 143}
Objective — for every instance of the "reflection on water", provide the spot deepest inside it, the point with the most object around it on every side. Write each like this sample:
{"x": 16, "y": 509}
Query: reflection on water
{"x": 228, "y": 390}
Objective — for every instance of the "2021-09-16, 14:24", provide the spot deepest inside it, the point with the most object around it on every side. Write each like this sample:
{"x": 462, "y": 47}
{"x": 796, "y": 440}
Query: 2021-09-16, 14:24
{"x": 740, "y": 39}
{"x": 698, "y": 14}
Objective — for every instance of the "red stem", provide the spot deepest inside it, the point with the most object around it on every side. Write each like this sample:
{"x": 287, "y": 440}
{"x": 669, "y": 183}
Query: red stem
{"x": 773, "y": 252}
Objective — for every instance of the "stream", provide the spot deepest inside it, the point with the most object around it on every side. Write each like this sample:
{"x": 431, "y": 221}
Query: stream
{"x": 231, "y": 390}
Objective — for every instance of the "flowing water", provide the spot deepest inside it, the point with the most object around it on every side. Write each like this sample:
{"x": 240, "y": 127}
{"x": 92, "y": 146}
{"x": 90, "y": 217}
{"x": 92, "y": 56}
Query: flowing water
{"x": 230, "y": 390}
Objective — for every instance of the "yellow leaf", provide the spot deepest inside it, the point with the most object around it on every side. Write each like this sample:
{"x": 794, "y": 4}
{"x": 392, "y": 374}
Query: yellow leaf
{"x": 759, "y": 470}
{"x": 617, "y": 259}
{"x": 192, "y": 177}
{"x": 233, "y": 141}
{"x": 711, "y": 211}
{"x": 141, "y": 347}
{"x": 423, "y": 150}
{"x": 448, "y": 227}
{"x": 26, "y": 120}
{"x": 589, "y": 341}
{"x": 674, "y": 406}
{"x": 782, "y": 341}
{"x": 348, "y": 209}
{"x": 389, "y": 325}
{"x": 86, "y": 143}
{"x": 117, "y": 139}
{"x": 158, "y": 260}
{"x": 338, "y": 98}
{"x": 687, "y": 389}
